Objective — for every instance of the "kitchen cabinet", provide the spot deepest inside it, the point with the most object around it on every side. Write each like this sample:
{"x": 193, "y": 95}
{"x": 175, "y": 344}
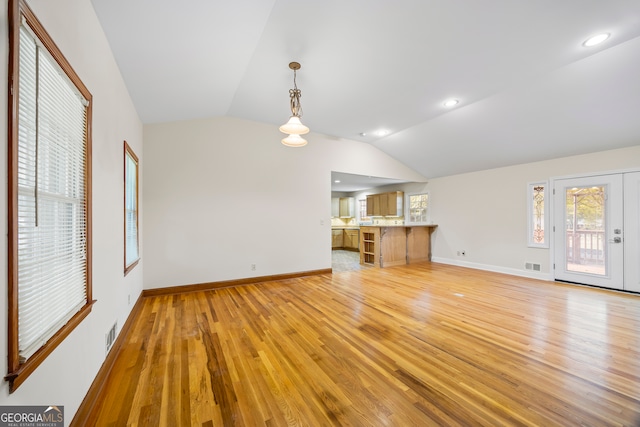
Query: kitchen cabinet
{"x": 335, "y": 207}
{"x": 373, "y": 205}
{"x": 386, "y": 204}
{"x": 337, "y": 238}
{"x": 370, "y": 246}
{"x": 345, "y": 238}
{"x": 351, "y": 239}
{"x": 395, "y": 245}
{"x": 393, "y": 204}
{"x": 343, "y": 207}
{"x": 347, "y": 207}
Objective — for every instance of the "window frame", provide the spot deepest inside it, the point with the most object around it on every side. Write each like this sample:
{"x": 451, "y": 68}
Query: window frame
{"x": 362, "y": 209}
{"x": 427, "y": 219}
{"x": 19, "y": 371}
{"x": 530, "y": 218}
{"x": 128, "y": 153}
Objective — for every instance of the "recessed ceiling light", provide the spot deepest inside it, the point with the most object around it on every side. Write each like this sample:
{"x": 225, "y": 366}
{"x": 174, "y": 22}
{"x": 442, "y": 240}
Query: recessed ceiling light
{"x": 337, "y": 181}
{"x": 592, "y": 41}
{"x": 362, "y": 134}
{"x": 382, "y": 132}
{"x": 450, "y": 103}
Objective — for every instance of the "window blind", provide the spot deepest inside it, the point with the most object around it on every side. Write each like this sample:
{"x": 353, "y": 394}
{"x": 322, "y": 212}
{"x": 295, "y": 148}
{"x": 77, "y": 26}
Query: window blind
{"x": 52, "y": 227}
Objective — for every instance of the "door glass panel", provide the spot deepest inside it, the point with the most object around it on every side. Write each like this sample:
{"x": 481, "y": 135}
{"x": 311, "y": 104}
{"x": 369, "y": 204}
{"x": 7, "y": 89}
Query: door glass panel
{"x": 585, "y": 240}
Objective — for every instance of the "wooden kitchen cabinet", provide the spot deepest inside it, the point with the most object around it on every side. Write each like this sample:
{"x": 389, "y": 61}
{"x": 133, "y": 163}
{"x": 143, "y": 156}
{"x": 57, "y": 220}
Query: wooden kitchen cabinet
{"x": 335, "y": 207}
{"x": 394, "y": 203}
{"x": 351, "y": 239}
{"x": 337, "y": 238}
{"x": 370, "y": 246}
{"x": 373, "y": 205}
{"x": 347, "y": 208}
{"x": 343, "y": 207}
{"x": 385, "y": 204}
{"x": 348, "y": 238}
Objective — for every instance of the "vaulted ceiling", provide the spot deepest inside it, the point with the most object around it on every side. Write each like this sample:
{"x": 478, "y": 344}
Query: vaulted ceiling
{"x": 528, "y": 89}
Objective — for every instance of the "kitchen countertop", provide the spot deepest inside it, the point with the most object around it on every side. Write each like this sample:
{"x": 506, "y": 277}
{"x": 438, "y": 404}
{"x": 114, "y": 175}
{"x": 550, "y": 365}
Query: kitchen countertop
{"x": 356, "y": 227}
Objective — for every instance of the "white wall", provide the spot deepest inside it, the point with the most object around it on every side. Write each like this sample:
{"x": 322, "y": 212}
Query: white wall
{"x": 485, "y": 213}
{"x": 222, "y": 194}
{"x": 66, "y": 375}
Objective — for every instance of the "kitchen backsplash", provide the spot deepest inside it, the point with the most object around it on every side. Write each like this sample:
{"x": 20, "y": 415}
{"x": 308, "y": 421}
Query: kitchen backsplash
{"x": 385, "y": 221}
{"x": 344, "y": 222}
{"x": 353, "y": 222}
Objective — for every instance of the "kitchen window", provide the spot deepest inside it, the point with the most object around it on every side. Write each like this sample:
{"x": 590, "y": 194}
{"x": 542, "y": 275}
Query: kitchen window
{"x": 362, "y": 204}
{"x": 418, "y": 208}
{"x": 49, "y": 241}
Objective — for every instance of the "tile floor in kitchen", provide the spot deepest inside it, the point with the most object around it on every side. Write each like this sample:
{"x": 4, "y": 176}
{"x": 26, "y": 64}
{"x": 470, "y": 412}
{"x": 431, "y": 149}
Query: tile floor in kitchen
{"x": 345, "y": 261}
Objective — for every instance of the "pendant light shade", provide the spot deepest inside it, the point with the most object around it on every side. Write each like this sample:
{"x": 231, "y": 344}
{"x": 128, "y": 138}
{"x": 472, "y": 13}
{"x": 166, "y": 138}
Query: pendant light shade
{"x": 294, "y": 140}
{"x": 294, "y": 126}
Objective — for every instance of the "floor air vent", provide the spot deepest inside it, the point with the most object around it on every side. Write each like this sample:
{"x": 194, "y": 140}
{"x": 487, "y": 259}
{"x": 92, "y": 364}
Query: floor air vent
{"x": 532, "y": 266}
{"x": 110, "y": 337}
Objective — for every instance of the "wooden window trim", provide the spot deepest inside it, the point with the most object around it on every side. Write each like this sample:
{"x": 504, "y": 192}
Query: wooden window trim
{"x": 18, "y": 372}
{"x": 129, "y": 152}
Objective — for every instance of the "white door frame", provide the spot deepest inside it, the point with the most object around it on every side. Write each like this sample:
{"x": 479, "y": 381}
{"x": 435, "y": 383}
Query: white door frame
{"x": 632, "y": 231}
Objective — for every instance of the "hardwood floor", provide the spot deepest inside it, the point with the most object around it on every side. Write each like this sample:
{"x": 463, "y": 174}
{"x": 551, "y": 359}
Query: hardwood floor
{"x": 424, "y": 344}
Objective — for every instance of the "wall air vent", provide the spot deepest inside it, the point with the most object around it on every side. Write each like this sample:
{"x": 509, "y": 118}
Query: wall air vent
{"x": 110, "y": 337}
{"x": 532, "y": 266}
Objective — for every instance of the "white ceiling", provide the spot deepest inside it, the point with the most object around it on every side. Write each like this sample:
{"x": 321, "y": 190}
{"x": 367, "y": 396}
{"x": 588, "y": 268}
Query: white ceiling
{"x": 528, "y": 89}
{"x": 349, "y": 183}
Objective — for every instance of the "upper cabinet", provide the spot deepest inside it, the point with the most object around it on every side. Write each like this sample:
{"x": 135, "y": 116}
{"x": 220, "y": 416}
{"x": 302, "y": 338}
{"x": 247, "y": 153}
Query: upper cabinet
{"x": 343, "y": 207}
{"x": 347, "y": 207}
{"x": 385, "y": 204}
{"x": 335, "y": 207}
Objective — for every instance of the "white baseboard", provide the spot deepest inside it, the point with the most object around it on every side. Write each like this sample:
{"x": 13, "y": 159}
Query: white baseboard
{"x": 495, "y": 269}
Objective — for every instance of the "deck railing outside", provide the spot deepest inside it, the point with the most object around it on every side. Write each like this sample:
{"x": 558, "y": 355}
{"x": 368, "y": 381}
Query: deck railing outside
{"x": 586, "y": 247}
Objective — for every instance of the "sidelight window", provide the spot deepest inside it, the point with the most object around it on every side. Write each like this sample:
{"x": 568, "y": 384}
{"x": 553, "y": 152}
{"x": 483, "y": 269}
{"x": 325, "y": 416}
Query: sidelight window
{"x": 537, "y": 215}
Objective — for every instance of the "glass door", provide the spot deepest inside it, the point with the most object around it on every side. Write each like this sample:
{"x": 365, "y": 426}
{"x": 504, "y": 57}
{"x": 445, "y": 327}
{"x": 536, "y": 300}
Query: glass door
{"x": 588, "y": 230}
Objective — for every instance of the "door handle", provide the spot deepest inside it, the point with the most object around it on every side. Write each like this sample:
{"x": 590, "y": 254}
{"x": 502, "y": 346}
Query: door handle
{"x": 616, "y": 240}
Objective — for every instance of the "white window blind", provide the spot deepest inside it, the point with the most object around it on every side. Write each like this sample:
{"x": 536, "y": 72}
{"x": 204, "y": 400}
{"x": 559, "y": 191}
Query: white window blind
{"x": 52, "y": 227}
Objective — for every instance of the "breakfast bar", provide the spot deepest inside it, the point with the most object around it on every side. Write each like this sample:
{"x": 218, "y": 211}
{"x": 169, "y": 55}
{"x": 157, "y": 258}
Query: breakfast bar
{"x": 386, "y": 246}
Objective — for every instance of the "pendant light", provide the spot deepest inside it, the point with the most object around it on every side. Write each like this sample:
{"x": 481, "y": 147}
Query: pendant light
{"x": 294, "y": 127}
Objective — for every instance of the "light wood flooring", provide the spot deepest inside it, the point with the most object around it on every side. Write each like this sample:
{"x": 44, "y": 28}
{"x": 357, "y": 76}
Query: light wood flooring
{"x": 417, "y": 345}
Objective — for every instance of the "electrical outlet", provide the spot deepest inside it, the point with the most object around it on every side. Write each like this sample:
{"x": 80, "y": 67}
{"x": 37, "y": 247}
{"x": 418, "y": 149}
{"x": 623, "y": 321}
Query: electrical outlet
{"x": 129, "y": 299}
{"x": 458, "y": 253}
{"x": 253, "y": 267}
